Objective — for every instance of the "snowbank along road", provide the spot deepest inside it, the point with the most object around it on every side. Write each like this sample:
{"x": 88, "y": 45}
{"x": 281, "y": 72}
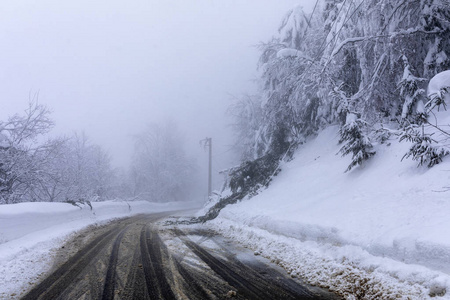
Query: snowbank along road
{"x": 138, "y": 258}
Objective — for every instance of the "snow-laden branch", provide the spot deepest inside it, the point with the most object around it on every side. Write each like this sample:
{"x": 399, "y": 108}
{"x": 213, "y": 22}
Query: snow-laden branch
{"x": 354, "y": 40}
{"x": 289, "y": 52}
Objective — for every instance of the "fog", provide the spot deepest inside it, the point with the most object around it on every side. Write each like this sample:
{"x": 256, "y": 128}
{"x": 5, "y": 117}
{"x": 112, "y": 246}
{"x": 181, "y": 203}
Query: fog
{"x": 109, "y": 68}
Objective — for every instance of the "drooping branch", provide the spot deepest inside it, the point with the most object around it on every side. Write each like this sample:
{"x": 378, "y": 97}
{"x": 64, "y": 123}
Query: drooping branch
{"x": 392, "y": 35}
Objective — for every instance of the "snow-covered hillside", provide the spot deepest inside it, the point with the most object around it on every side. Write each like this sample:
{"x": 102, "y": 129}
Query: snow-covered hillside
{"x": 30, "y": 233}
{"x": 381, "y": 230}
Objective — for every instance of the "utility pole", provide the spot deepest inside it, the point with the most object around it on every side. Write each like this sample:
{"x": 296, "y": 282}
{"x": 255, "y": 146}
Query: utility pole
{"x": 207, "y": 142}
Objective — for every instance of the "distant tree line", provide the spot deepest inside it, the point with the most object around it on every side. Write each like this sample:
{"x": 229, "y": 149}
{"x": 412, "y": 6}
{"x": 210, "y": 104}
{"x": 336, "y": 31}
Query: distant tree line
{"x": 74, "y": 170}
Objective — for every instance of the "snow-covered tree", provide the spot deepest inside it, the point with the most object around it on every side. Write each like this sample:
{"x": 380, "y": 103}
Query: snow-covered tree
{"x": 359, "y": 64}
{"x": 250, "y": 139}
{"x": 21, "y": 156}
{"x": 90, "y": 170}
{"x": 411, "y": 90}
{"x": 369, "y": 56}
{"x": 430, "y": 140}
{"x": 75, "y": 170}
{"x": 59, "y": 169}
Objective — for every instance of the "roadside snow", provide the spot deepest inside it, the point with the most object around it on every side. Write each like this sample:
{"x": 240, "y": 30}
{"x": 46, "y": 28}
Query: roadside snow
{"x": 382, "y": 229}
{"x": 30, "y": 232}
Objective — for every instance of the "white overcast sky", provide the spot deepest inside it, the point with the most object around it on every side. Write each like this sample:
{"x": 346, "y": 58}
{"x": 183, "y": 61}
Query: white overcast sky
{"x": 111, "y": 67}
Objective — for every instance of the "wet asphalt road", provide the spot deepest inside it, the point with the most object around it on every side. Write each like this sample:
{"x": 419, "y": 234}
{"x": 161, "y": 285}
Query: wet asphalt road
{"x": 137, "y": 258}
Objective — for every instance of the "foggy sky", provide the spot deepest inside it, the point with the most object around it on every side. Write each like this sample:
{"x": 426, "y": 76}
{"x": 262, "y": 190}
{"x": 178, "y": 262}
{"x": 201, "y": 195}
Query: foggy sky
{"x": 111, "y": 67}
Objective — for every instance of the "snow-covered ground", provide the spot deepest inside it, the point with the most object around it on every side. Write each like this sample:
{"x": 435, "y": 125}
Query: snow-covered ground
{"x": 30, "y": 232}
{"x": 381, "y": 230}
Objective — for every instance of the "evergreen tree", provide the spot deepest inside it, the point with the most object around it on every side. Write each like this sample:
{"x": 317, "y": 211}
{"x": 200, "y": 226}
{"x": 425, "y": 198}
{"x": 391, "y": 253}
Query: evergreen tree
{"x": 356, "y": 141}
{"x": 411, "y": 91}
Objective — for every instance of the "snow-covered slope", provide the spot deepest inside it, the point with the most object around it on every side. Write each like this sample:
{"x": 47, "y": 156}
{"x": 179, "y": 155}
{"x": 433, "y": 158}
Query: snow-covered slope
{"x": 382, "y": 229}
{"x": 29, "y": 232}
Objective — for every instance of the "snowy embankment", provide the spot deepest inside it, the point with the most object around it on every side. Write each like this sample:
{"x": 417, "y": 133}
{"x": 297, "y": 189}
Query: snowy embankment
{"x": 29, "y": 232}
{"x": 380, "y": 231}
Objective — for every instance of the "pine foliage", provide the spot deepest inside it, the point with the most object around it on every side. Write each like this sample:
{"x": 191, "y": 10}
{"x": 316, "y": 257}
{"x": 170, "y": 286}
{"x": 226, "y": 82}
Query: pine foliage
{"x": 356, "y": 142}
{"x": 438, "y": 99}
{"x": 424, "y": 149}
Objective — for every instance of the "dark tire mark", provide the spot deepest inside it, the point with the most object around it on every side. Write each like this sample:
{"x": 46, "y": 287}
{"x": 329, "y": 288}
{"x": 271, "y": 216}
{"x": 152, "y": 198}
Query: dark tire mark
{"x": 157, "y": 285}
{"x": 223, "y": 271}
{"x": 261, "y": 273}
{"x": 58, "y": 281}
{"x": 191, "y": 285}
{"x": 247, "y": 282}
{"x": 110, "y": 279}
{"x": 135, "y": 287}
{"x": 141, "y": 280}
{"x": 94, "y": 285}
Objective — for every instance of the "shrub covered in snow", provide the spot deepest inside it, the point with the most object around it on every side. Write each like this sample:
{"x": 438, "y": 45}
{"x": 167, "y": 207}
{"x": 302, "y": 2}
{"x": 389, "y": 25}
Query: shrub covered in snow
{"x": 424, "y": 149}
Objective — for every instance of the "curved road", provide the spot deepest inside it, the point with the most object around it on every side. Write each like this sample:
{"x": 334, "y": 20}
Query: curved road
{"x": 133, "y": 258}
